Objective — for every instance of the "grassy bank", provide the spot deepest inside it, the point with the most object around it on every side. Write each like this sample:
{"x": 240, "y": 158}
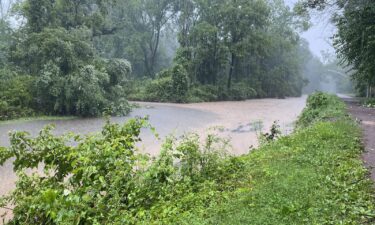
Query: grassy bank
{"x": 37, "y": 118}
{"x": 314, "y": 176}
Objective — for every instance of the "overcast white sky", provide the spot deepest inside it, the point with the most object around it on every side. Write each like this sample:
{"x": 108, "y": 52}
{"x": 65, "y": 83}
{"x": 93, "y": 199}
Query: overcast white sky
{"x": 319, "y": 34}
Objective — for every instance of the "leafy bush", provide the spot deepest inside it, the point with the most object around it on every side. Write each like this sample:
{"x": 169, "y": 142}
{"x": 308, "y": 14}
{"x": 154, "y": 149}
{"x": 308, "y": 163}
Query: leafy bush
{"x": 314, "y": 176}
{"x": 118, "y": 70}
{"x": 271, "y": 136}
{"x": 70, "y": 79}
{"x": 203, "y": 93}
{"x": 321, "y": 107}
{"x": 16, "y": 95}
{"x": 119, "y": 107}
{"x": 86, "y": 91}
{"x": 102, "y": 179}
{"x": 8, "y": 112}
{"x": 159, "y": 90}
{"x": 318, "y": 100}
{"x": 180, "y": 83}
{"x": 369, "y": 103}
{"x": 170, "y": 85}
{"x": 240, "y": 91}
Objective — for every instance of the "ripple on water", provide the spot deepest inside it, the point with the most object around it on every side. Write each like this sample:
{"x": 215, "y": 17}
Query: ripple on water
{"x": 238, "y": 120}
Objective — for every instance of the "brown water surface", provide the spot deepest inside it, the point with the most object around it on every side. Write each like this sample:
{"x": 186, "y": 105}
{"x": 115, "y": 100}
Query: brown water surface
{"x": 239, "y": 121}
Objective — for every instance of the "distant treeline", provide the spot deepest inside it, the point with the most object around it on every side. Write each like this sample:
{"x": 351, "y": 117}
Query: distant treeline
{"x": 87, "y": 57}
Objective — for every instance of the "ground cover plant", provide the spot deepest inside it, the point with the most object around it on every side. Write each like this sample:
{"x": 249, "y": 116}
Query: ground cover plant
{"x": 321, "y": 107}
{"x": 314, "y": 176}
{"x": 370, "y": 103}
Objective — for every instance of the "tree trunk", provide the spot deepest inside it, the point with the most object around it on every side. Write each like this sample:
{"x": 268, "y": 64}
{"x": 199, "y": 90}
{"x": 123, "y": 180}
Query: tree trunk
{"x": 154, "y": 52}
{"x": 229, "y": 84}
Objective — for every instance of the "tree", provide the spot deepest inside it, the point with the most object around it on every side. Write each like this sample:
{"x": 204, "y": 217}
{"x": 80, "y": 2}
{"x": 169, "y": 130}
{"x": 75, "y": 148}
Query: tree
{"x": 55, "y": 47}
{"x": 234, "y": 41}
{"x": 354, "y": 39}
{"x": 142, "y": 24}
{"x": 242, "y": 21}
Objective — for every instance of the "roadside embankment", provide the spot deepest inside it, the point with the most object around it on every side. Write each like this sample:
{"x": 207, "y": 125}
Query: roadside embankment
{"x": 313, "y": 176}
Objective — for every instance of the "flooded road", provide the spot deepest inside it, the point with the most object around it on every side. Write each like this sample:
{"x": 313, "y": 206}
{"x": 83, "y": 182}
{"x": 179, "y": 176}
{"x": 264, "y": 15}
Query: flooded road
{"x": 239, "y": 121}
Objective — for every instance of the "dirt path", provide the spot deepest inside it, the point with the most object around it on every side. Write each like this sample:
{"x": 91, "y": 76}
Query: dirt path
{"x": 367, "y": 118}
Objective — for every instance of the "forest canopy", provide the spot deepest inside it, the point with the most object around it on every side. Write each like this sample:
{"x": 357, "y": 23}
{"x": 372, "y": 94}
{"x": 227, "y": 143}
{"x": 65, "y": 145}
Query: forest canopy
{"x": 88, "y": 57}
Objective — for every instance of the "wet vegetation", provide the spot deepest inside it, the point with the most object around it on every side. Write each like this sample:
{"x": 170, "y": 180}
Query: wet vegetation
{"x": 313, "y": 176}
{"x": 353, "y": 40}
{"x": 88, "y": 58}
{"x": 370, "y": 103}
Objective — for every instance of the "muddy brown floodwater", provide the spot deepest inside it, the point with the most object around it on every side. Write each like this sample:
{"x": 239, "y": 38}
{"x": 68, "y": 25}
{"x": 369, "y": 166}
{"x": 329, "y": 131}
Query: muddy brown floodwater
{"x": 240, "y": 121}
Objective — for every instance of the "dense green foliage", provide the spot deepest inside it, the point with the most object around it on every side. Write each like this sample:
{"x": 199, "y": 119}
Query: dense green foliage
{"x": 56, "y": 67}
{"x": 234, "y": 50}
{"x": 62, "y": 53}
{"x": 354, "y": 40}
{"x": 321, "y": 107}
{"x": 103, "y": 179}
{"x": 15, "y": 95}
{"x": 370, "y": 103}
{"x": 313, "y": 176}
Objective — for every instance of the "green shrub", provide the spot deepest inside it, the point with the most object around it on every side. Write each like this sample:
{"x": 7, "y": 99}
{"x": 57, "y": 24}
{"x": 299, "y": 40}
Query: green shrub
{"x": 321, "y": 107}
{"x": 118, "y": 70}
{"x": 86, "y": 92}
{"x": 170, "y": 85}
{"x": 70, "y": 79}
{"x": 8, "y": 112}
{"x": 318, "y": 100}
{"x": 102, "y": 179}
{"x": 135, "y": 89}
{"x": 159, "y": 90}
{"x": 314, "y": 176}
{"x": 90, "y": 91}
{"x": 369, "y": 103}
{"x": 240, "y": 91}
{"x": 180, "y": 83}
{"x": 203, "y": 93}
{"x": 16, "y": 95}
